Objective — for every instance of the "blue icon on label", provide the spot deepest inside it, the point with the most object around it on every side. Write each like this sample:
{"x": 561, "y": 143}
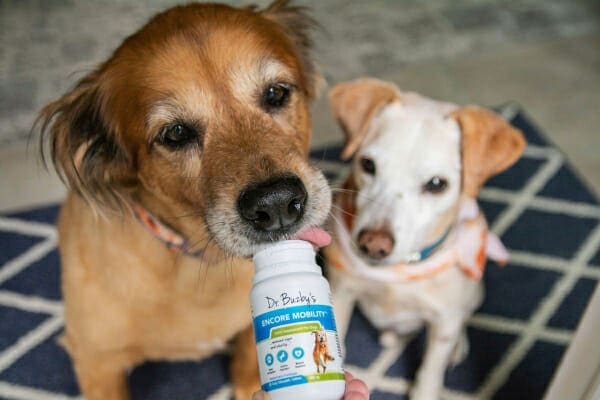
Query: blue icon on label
{"x": 282, "y": 356}
{"x": 269, "y": 359}
{"x": 298, "y": 353}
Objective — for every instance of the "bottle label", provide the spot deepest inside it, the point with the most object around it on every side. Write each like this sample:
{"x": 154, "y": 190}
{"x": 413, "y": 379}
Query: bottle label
{"x": 297, "y": 345}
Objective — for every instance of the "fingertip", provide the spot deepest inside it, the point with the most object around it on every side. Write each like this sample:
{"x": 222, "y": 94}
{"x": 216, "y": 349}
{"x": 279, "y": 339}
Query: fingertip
{"x": 355, "y": 396}
{"x": 357, "y": 386}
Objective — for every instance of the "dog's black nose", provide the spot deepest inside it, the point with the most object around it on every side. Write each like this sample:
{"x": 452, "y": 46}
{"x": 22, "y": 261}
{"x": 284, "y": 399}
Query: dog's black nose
{"x": 274, "y": 204}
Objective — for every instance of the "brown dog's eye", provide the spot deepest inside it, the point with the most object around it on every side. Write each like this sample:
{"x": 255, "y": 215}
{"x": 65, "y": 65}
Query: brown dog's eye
{"x": 435, "y": 185}
{"x": 275, "y": 96}
{"x": 177, "y": 135}
{"x": 367, "y": 165}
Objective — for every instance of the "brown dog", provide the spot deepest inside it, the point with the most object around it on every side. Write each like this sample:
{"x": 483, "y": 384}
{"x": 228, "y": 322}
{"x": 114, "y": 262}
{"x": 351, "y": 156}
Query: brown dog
{"x": 321, "y": 351}
{"x": 198, "y": 125}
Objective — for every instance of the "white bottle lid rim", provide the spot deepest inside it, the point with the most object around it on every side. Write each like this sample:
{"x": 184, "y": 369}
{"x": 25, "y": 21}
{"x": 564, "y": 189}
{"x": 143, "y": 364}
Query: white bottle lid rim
{"x": 284, "y": 257}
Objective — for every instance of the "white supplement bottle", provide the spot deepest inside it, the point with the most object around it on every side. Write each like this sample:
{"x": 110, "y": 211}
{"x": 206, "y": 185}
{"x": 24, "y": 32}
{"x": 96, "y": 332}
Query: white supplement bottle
{"x": 299, "y": 354}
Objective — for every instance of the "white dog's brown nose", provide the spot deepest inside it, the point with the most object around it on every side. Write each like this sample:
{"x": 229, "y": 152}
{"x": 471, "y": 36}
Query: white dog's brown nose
{"x": 376, "y": 243}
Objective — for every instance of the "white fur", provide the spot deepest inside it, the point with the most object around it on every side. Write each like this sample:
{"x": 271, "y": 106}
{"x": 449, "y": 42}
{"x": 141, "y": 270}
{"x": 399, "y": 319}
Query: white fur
{"x": 410, "y": 140}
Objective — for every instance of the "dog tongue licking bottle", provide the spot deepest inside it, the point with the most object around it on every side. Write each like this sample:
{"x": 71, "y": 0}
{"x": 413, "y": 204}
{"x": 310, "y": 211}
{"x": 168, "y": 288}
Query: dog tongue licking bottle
{"x": 299, "y": 354}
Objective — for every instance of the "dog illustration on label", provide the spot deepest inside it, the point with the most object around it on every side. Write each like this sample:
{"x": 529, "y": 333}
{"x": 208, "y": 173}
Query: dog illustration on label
{"x": 321, "y": 351}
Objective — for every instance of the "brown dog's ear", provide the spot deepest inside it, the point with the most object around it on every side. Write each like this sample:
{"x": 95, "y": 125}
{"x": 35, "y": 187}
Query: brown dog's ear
{"x": 82, "y": 147}
{"x": 298, "y": 25}
{"x": 354, "y": 104}
{"x": 489, "y": 146}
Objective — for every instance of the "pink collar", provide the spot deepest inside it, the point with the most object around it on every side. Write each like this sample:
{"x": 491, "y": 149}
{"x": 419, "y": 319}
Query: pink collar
{"x": 168, "y": 236}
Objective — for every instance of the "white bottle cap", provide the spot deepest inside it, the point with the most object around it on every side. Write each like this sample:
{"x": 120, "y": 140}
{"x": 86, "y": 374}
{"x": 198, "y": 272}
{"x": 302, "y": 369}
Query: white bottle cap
{"x": 283, "y": 257}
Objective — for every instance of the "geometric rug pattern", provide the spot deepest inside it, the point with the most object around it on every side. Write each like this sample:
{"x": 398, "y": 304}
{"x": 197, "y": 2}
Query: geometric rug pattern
{"x": 546, "y": 216}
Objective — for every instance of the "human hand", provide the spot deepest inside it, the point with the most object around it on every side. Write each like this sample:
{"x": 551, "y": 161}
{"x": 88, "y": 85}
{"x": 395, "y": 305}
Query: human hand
{"x": 355, "y": 390}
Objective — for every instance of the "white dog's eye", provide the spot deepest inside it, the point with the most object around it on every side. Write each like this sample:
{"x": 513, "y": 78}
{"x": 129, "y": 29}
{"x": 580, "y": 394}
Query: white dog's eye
{"x": 367, "y": 165}
{"x": 435, "y": 185}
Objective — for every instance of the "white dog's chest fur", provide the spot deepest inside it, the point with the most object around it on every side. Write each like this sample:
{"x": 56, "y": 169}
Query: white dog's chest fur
{"x": 404, "y": 307}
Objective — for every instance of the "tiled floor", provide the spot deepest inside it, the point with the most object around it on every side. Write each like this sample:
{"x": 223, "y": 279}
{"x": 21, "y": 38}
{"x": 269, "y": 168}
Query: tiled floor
{"x": 543, "y": 54}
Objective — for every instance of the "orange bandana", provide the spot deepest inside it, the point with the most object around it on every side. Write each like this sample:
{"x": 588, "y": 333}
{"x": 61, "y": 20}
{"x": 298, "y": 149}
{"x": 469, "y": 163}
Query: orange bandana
{"x": 467, "y": 246}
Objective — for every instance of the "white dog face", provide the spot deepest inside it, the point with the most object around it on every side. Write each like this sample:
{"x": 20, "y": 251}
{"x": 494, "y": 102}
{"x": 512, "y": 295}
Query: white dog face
{"x": 414, "y": 158}
{"x": 408, "y": 174}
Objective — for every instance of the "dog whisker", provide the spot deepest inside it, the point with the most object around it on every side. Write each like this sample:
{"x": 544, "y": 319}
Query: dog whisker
{"x": 229, "y": 273}
{"x": 353, "y": 191}
{"x": 189, "y": 215}
{"x": 343, "y": 190}
{"x": 342, "y": 210}
{"x": 352, "y": 242}
{"x": 204, "y": 266}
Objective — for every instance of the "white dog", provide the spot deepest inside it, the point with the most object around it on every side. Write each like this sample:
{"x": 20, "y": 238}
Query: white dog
{"x": 410, "y": 241}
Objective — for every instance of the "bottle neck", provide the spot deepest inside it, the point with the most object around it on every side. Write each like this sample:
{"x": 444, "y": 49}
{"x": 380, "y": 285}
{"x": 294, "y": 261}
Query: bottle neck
{"x": 285, "y": 257}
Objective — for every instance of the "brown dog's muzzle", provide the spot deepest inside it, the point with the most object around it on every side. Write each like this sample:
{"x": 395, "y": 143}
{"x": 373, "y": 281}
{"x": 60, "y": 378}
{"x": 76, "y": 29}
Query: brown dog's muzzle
{"x": 274, "y": 205}
{"x": 376, "y": 243}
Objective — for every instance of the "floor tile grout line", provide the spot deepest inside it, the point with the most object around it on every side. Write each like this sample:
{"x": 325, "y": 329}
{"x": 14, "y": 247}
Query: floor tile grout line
{"x": 400, "y": 385}
{"x": 535, "y": 151}
{"x": 29, "y": 341}
{"x": 539, "y": 319}
{"x": 30, "y": 303}
{"x": 395, "y": 385}
{"x": 448, "y": 394}
{"x": 223, "y": 393}
{"x": 377, "y": 369}
{"x": 24, "y": 260}
{"x": 497, "y": 324}
{"x": 18, "y": 392}
{"x": 510, "y": 110}
{"x": 387, "y": 357}
{"x": 520, "y": 201}
{"x": 559, "y": 206}
{"x": 591, "y": 273}
{"x": 542, "y": 203}
{"x": 25, "y": 227}
{"x": 550, "y": 263}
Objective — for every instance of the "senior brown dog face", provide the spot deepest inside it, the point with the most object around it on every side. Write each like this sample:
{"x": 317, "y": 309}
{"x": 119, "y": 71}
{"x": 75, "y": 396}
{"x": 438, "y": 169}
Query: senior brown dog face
{"x": 203, "y": 112}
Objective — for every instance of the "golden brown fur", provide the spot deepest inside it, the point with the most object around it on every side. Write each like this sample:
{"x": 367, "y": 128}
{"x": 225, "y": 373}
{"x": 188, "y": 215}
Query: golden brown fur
{"x": 128, "y": 297}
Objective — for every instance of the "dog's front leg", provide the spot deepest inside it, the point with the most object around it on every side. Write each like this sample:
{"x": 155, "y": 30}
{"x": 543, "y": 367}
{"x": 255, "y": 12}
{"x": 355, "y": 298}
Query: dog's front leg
{"x": 442, "y": 339}
{"x": 244, "y": 365}
{"x": 103, "y": 376}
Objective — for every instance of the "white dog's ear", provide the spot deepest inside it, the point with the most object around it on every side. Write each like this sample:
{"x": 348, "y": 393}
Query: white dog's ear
{"x": 489, "y": 146}
{"x": 355, "y": 103}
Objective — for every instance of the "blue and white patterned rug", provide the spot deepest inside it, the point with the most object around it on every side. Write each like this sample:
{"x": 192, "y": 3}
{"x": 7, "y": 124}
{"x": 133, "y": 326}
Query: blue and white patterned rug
{"x": 545, "y": 215}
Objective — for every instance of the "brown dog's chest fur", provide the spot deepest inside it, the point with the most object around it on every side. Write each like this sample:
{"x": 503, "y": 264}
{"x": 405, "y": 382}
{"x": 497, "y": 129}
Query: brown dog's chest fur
{"x": 145, "y": 300}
